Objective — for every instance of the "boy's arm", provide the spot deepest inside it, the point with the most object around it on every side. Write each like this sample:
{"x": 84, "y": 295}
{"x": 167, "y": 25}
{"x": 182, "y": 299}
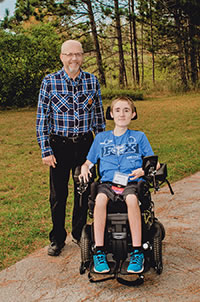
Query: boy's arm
{"x": 85, "y": 171}
{"x": 136, "y": 173}
{"x": 140, "y": 172}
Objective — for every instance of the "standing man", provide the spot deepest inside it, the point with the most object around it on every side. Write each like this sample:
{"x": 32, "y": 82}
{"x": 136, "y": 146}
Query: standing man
{"x": 69, "y": 109}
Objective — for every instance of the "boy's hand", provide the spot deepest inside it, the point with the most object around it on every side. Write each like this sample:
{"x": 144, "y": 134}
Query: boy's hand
{"x": 85, "y": 173}
{"x": 137, "y": 173}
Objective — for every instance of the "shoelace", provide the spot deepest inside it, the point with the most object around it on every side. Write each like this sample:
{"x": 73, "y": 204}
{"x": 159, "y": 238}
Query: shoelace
{"x": 136, "y": 258}
{"x": 100, "y": 258}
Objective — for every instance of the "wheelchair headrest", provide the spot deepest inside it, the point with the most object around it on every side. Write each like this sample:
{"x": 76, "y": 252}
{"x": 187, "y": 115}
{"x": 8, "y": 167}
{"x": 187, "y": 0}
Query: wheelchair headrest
{"x": 108, "y": 116}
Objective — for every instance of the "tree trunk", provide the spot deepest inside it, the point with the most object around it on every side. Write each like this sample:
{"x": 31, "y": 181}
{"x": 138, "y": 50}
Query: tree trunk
{"x": 135, "y": 44}
{"x": 193, "y": 54}
{"x": 122, "y": 69}
{"x": 152, "y": 44}
{"x": 180, "y": 49}
{"x": 131, "y": 42}
{"x": 102, "y": 78}
{"x": 186, "y": 53}
{"x": 142, "y": 52}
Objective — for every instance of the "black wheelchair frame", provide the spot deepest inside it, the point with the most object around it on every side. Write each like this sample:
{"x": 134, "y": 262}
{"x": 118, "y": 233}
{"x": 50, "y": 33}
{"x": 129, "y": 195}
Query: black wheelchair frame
{"x": 117, "y": 236}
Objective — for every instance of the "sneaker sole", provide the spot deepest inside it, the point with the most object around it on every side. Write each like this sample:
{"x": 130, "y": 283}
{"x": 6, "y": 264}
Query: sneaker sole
{"x": 102, "y": 272}
{"x": 135, "y": 272}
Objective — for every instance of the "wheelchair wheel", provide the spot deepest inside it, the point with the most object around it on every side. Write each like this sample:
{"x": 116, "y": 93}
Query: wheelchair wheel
{"x": 85, "y": 245}
{"x": 157, "y": 249}
{"x": 162, "y": 229}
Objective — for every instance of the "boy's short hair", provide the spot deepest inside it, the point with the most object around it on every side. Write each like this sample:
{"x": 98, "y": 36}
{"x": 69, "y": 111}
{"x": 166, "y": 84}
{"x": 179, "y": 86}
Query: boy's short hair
{"x": 125, "y": 99}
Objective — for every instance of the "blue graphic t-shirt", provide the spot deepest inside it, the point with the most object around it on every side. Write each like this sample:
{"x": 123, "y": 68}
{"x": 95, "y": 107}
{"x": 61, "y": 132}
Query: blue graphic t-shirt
{"x": 119, "y": 153}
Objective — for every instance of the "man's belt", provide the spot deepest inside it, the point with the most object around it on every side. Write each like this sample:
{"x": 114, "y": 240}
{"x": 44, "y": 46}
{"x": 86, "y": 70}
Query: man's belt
{"x": 65, "y": 139}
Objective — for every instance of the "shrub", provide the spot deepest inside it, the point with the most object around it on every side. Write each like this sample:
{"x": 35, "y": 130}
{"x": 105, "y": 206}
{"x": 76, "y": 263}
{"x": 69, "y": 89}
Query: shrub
{"x": 112, "y": 93}
{"x": 25, "y": 59}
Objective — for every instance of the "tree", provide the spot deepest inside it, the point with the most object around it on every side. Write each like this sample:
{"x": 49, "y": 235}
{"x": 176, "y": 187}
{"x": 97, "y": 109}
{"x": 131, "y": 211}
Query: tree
{"x": 64, "y": 15}
{"x": 122, "y": 32}
{"x": 96, "y": 42}
{"x": 133, "y": 26}
{"x": 131, "y": 40}
{"x": 122, "y": 69}
{"x": 24, "y": 60}
{"x": 186, "y": 29}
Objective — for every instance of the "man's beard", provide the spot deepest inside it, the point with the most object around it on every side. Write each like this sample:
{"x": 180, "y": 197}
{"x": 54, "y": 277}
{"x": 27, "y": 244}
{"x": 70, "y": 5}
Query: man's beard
{"x": 74, "y": 70}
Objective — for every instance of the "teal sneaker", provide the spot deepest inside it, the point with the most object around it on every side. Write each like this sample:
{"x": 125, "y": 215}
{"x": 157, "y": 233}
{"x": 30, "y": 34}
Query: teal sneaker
{"x": 100, "y": 262}
{"x": 136, "y": 264}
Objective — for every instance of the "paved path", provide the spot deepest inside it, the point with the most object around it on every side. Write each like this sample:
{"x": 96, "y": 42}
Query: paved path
{"x": 41, "y": 278}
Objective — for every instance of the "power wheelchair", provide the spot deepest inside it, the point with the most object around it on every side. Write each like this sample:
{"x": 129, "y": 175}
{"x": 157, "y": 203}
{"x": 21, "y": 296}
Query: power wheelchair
{"x": 117, "y": 236}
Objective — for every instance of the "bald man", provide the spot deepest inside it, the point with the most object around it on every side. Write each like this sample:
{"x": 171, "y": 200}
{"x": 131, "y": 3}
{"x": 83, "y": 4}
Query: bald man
{"x": 69, "y": 112}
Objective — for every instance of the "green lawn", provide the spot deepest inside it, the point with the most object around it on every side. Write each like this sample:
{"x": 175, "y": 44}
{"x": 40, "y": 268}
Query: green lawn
{"x": 170, "y": 123}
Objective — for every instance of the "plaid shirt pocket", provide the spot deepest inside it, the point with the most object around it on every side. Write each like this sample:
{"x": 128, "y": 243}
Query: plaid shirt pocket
{"x": 61, "y": 103}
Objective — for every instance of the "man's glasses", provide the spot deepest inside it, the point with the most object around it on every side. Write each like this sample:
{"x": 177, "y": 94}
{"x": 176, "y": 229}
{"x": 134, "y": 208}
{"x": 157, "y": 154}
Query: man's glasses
{"x": 71, "y": 55}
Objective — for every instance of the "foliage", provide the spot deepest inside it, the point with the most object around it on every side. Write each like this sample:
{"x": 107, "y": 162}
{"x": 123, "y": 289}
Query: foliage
{"x": 155, "y": 39}
{"x": 108, "y": 94}
{"x": 24, "y": 60}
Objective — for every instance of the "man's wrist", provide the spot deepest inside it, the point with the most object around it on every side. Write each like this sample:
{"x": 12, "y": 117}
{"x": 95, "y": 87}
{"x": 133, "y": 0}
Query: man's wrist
{"x": 47, "y": 153}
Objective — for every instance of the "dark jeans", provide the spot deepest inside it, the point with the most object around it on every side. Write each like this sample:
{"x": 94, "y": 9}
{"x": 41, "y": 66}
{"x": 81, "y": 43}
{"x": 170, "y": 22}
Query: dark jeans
{"x": 69, "y": 155}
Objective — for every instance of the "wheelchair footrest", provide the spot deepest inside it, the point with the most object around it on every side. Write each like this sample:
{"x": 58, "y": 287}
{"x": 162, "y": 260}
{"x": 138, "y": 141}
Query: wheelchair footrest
{"x": 131, "y": 279}
{"x": 95, "y": 278}
{"x": 111, "y": 263}
{"x": 124, "y": 266}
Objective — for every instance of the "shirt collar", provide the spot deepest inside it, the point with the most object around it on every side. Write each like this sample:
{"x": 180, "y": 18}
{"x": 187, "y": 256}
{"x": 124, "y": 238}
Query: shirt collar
{"x": 77, "y": 79}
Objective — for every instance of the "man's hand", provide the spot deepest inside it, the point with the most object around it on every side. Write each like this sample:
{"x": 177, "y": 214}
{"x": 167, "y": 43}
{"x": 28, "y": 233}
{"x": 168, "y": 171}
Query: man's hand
{"x": 136, "y": 173}
{"x": 49, "y": 161}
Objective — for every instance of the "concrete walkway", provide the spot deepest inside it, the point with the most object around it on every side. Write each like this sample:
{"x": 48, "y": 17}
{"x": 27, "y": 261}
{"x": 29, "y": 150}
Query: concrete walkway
{"x": 41, "y": 278}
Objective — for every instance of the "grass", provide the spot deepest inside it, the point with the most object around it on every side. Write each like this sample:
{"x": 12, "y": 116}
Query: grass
{"x": 171, "y": 124}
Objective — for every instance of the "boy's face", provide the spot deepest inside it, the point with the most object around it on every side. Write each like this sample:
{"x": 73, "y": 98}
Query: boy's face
{"x": 122, "y": 113}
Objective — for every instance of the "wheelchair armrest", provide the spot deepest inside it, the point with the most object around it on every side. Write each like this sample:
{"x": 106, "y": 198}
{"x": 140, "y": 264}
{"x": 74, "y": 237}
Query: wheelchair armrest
{"x": 161, "y": 174}
{"x": 144, "y": 194}
{"x": 93, "y": 190}
{"x": 91, "y": 198}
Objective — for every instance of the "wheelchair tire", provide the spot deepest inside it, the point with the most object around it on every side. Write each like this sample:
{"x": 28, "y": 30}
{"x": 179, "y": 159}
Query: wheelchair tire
{"x": 85, "y": 245}
{"x": 162, "y": 229}
{"x": 157, "y": 249}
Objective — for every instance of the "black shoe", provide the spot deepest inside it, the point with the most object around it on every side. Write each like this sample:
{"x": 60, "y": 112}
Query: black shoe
{"x": 54, "y": 249}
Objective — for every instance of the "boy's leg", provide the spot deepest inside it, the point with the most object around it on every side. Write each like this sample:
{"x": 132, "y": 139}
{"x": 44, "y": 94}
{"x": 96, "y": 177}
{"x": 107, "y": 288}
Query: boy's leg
{"x": 134, "y": 217}
{"x": 136, "y": 264}
{"x": 100, "y": 262}
{"x": 100, "y": 218}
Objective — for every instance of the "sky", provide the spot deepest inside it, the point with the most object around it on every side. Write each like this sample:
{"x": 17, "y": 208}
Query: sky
{"x": 10, "y": 4}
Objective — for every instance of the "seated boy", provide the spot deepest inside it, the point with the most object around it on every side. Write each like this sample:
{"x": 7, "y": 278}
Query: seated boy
{"x": 120, "y": 152}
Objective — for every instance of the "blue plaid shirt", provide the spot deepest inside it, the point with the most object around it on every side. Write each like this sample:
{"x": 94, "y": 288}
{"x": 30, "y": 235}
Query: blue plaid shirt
{"x": 68, "y": 107}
